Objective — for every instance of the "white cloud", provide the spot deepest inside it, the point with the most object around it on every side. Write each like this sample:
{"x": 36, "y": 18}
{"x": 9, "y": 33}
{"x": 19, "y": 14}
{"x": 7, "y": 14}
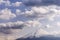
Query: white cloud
{"x": 45, "y": 12}
{"x": 6, "y": 2}
{"x": 51, "y": 17}
{"x": 6, "y": 14}
{"x": 58, "y": 23}
{"x": 40, "y": 10}
{"x": 36, "y": 13}
{"x": 55, "y": 32}
{"x": 27, "y": 23}
{"x": 12, "y": 24}
{"x": 1, "y": 1}
{"x": 49, "y": 12}
{"x": 18, "y": 12}
{"x": 30, "y": 27}
{"x": 2, "y": 24}
{"x": 26, "y": 26}
{"x": 41, "y": 32}
{"x": 33, "y": 23}
{"x": 17, "y": 4}
{"x": 48, "y": 26}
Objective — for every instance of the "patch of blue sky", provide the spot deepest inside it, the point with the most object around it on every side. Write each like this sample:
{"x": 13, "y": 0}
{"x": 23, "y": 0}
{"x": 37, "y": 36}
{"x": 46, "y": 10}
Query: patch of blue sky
{"x": 13, "y": 9}
{"x": 2, "y": 6}
{"x": 13, "y": 1}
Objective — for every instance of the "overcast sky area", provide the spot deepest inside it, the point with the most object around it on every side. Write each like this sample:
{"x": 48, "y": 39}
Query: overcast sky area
{"x": 26, "y": 18}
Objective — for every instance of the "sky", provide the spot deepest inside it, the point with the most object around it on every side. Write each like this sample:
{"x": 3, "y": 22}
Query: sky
{"x": 30, "y": 17}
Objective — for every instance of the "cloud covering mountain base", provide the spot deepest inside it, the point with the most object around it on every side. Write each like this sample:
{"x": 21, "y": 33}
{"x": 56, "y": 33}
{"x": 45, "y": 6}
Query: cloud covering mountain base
{"x": 29, "y": 18}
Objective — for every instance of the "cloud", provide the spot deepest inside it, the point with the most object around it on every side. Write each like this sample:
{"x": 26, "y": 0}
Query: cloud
{"x": 6, "y": 28}
{"x": 33, "y": 23}
{"x": 58, "y": 23}
{"x": 1, "y": 1}
{"x": 17, "y": 4}
{"x": 31, "y": 2}
{"x": 21, "y": 26}
{"x": 29, "y": 29}
{"x": 21, "y": 23}
{"x": 48, "y": 26}
{"x": 8, "y": 3}
{"x": 41, "y": 12}
{"x": 6, "y": 14}
{"x": 41, "y": 32}
{"x": 33, "y": 11}
{"x": 41, "y": 2}
{"x": 18, "y": 12}
{"x": 11, "y": 24}
{"x": 5, "y": 2}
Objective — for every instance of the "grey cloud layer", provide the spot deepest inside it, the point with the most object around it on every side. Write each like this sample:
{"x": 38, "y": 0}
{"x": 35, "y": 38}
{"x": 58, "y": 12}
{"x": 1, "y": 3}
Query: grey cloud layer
{"x": 41, "y": 2}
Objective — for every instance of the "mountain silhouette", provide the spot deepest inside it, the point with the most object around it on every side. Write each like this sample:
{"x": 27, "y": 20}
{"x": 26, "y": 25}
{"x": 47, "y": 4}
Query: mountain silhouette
{"x": 49, "y": 37}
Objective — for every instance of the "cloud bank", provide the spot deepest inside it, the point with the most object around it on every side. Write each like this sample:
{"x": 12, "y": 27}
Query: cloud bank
{"x": 30, "y": 17}
{"x": 41, "y": 2}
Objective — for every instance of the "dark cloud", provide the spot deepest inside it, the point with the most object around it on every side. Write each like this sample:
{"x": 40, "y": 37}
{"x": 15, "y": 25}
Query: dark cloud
{"x": 6, "y": 30}
{"x": 41, "y": 2}
{"x": 15, "y": 1}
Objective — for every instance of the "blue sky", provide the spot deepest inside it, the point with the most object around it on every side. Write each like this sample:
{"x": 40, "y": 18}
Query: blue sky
{"x": 40, "y": 15}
